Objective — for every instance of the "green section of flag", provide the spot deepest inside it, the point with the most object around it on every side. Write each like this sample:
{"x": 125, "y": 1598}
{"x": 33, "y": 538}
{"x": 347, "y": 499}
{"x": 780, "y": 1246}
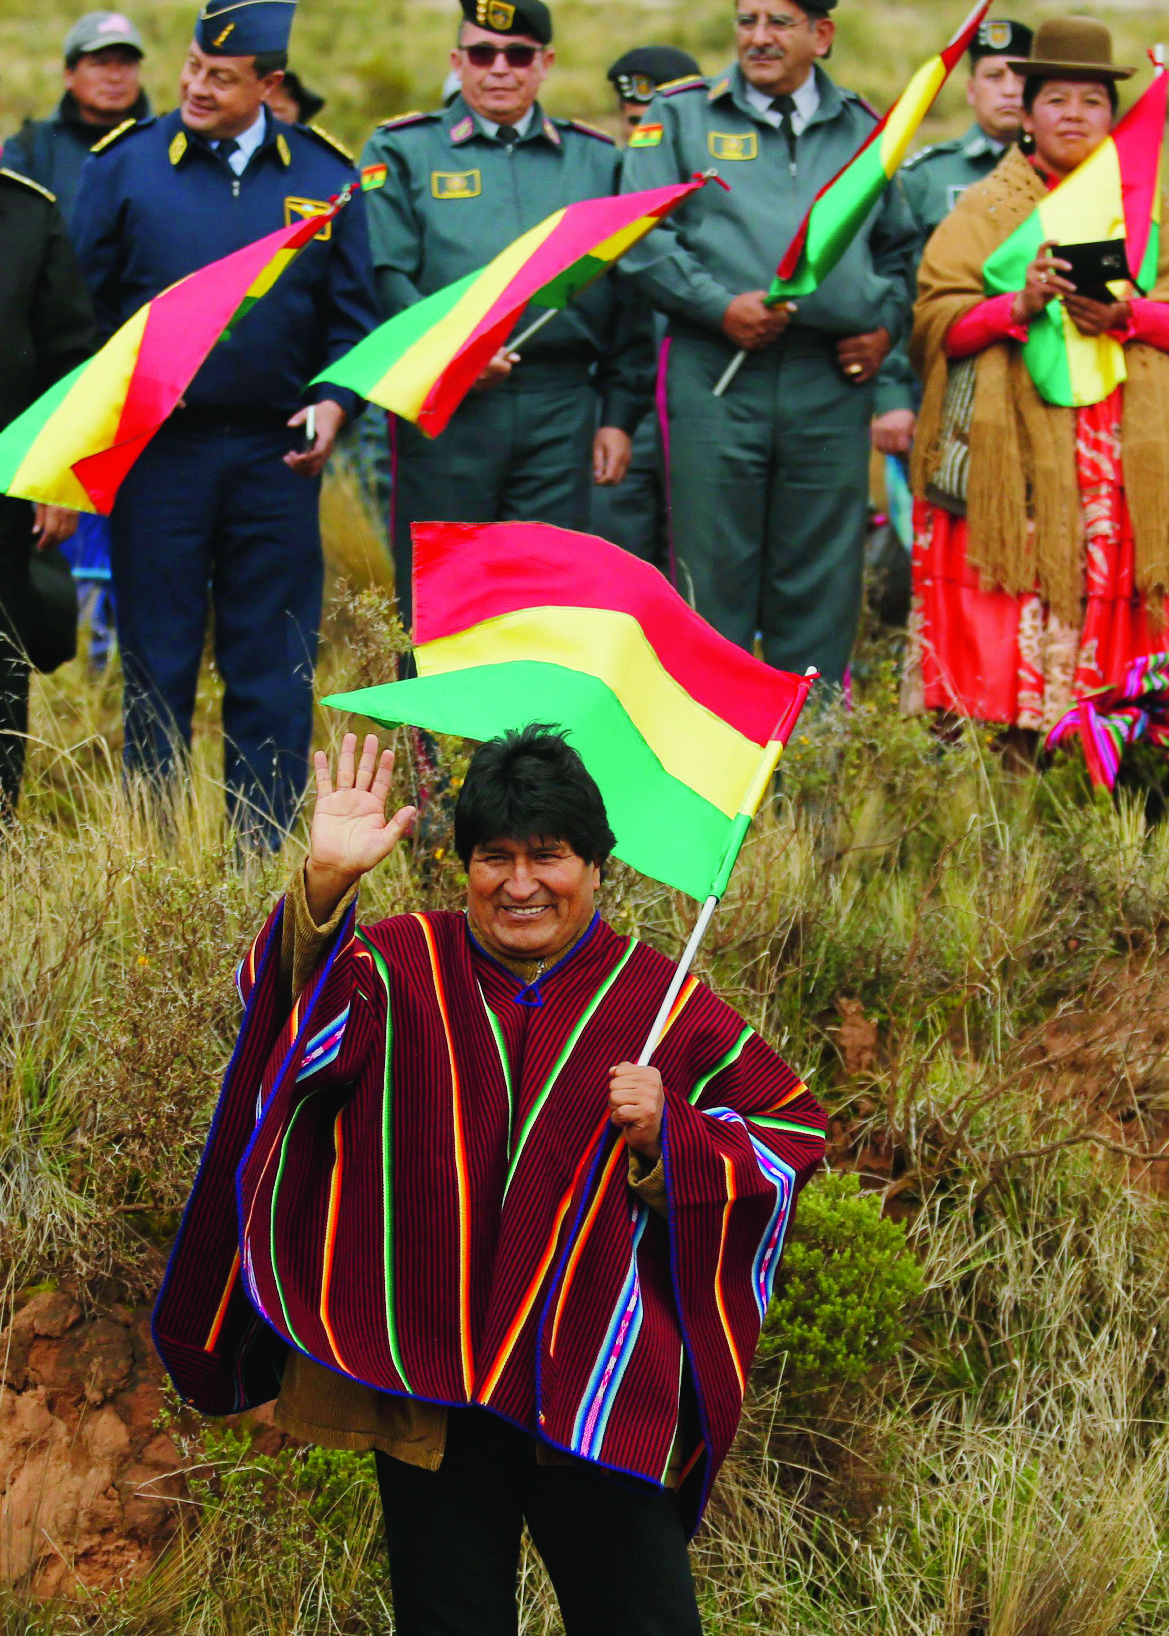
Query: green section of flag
{"x": 19, "y": 435}
{"x": 835, "y": 220}
{"x": 559, "y": 291}
{"x": 363, "y": 367}
{"x": 1045, "y": 350}
{"x": 663, "y": 828}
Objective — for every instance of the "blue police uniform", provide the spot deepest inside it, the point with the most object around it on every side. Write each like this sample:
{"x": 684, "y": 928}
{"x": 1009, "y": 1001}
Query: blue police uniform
{"x": 210, "y": 513}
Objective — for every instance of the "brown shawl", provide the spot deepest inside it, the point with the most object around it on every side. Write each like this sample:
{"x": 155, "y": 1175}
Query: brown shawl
{"x": 1022, "y": 450}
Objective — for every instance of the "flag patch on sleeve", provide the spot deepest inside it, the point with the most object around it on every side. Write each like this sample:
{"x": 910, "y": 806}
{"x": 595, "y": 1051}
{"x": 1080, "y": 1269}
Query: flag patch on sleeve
{"x": 373, "y": 176}
{"x": 646, "y": 136}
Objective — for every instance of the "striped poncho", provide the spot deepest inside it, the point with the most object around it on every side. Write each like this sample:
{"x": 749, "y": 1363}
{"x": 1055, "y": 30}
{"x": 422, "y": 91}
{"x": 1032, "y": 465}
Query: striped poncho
{"x": 413, "y": 1179}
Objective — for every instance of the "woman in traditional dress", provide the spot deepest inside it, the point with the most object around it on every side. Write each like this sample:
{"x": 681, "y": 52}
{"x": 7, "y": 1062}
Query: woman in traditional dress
{"x": 1049, "y": 574}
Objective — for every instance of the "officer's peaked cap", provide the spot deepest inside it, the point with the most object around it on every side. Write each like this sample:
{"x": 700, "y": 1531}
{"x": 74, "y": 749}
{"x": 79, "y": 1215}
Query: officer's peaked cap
{"x": 1000, "y": 37}
{"x": 528, "y": 17}
{"x": 244, "y": 28}
{"x": 639, "y": 72}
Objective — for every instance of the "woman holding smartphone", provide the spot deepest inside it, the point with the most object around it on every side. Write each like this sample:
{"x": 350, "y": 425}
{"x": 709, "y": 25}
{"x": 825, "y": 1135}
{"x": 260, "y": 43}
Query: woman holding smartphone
{"x": 1041, "y": 549}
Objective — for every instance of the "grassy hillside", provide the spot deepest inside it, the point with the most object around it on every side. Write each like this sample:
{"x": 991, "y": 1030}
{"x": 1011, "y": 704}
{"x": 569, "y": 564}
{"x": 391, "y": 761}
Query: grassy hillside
{"x": 374, "y": 61}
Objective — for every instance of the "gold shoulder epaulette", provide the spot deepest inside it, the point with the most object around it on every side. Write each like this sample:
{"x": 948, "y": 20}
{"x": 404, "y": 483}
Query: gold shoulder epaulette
{"x": 717, "y": 89}
{"x": 591, "y": 130}
{"x": 112, "y": 136}
{"x": 686, "y": 82}
{"x": 331, "y": 142}
{"x": 15, "y": 176}
{"x": 412, "y": 118}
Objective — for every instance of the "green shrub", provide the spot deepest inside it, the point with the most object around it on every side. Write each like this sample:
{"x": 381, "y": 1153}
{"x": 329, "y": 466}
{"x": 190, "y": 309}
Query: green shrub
{"x": 841, "y": 1300}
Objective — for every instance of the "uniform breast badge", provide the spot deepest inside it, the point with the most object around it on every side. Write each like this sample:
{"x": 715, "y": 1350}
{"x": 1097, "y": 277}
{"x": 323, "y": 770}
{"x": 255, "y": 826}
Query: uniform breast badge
{"x": 730, "y": 145}
{"x": 304, "y": 208}
{"x": 456, "y": 184}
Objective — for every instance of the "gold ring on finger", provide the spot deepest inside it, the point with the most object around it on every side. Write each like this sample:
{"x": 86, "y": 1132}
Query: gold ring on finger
{"x": 853, "y": 369}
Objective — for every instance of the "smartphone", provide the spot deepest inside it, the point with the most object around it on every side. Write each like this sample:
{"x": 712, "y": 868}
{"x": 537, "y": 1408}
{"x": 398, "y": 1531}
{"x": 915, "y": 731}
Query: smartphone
{"x": 1094, "y": 265}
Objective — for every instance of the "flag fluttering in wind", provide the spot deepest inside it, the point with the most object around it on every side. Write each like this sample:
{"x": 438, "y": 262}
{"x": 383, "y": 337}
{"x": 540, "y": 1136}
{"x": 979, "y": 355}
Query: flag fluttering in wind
{"x": 74, "y": 446}
{"x": 422, "y": 362}
{"x": 522, "y": 622}
{"x": 1109, "y": 720}
{"x": 1114, "y": 194}
{"x": 839, "y": 210}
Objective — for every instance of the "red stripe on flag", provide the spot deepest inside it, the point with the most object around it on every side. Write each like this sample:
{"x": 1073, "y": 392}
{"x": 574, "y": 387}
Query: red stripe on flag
{"x": 465, "y": 573}
{"x": 1138, "y": 140}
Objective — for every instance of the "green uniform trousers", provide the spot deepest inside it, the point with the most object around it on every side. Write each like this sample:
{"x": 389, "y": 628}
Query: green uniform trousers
{"x": 632, "y": 515}
{"x": 768, "y": 495}
{"x": 519, "y": 452}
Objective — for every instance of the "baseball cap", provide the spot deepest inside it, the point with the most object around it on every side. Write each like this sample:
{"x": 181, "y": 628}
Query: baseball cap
{"x": 96, "y": 30}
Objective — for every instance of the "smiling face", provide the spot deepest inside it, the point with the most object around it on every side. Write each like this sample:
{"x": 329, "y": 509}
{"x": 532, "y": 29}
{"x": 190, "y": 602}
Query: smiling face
{"x": 1068, "y": 119}
{"x": 529, "y": 900}
{"x": 220, "y": 96}
{"x": 995, "y": 93}
{"x": 500, "y": 89}
{"x": 105, "y": 84}
{"x": 778, "y": 43}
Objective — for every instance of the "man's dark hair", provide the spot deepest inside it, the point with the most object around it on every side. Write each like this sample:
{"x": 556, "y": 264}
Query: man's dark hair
{"x": 1034, "y": 83}
{"x": 531, "y": 784}
{"x": 267, "y": 62}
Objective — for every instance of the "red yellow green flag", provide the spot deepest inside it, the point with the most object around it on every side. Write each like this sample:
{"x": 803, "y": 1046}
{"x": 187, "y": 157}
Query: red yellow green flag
{"x": 522, "y": 622}
{"x": 422, "y": 362}
{"x": 1114, "y": 194}
{"x": 840, "y": 209}
{"x": 76, "y": 443}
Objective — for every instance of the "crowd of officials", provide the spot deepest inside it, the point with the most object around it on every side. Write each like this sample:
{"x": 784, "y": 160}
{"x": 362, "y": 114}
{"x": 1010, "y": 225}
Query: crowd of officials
{"x": 753, "y": 501}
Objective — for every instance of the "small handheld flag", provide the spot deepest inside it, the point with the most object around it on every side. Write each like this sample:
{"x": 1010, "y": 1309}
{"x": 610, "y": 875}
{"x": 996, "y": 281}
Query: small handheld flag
{"x": 74, "y": 446}
{"x": 1114, "y": 194}
{"x": 421, "y": 363}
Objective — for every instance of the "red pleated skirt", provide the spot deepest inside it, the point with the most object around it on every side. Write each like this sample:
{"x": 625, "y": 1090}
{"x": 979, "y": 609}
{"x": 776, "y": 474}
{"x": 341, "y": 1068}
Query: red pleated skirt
{"x": 1009, "y": 659}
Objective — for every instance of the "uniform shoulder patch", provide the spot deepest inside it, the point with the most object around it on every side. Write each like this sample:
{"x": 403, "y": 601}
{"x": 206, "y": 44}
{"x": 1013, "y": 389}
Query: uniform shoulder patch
{"x": 687, "y": 82}
{"x": 718, "y": 89}
{"x": 118, "y": 132}
{"x": 415, "y": 117}
{"x": 27, "y": 181}
{"x": 593, "y": 131}
{"x": 324, "y": 137}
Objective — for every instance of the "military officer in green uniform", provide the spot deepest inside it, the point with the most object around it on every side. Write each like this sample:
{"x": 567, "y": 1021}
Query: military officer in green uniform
{"x": 446, "y": 192}
{"x": 768, "y": 485}
{"x": 934, "y": 181}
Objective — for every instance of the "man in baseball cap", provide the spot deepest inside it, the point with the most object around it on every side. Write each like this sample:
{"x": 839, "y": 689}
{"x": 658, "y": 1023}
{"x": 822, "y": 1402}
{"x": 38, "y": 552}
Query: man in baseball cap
{"x": 103, "y": 54}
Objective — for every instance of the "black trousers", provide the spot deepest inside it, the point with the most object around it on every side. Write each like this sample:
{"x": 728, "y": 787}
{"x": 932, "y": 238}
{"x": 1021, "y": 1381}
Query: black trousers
{"x": 616, "y": 1555}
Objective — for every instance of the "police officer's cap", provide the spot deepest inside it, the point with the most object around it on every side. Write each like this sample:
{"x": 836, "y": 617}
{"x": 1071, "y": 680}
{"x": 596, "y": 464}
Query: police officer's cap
{"x": 244, "y": 28}
{"x": 1000, "y": 37}
{"x": 98, "y": 29}
{"x": 528, "y": 17}
{"x": 639, "y": 72}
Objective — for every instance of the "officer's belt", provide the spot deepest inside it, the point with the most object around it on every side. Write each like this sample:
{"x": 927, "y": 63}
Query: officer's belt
{"x": 567, "y": 368}
{"x": 234, "y": 417}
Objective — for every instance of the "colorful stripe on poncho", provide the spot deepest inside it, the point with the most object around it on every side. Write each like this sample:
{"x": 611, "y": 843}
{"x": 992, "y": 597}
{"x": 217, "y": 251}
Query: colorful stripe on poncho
{"x": 521, "y": 622}
{"x": 440, "y": 1207}
{"x": 422, "y": 362}
{"x": 1109, "y": 721}
{"x": 74, "y": 446}
{"x": 842, "y": 205}
{"x": 1114, "y": 194}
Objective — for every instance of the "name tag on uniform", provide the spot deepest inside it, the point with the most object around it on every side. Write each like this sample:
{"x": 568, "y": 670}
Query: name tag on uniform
{"x": 456, "y": 184}
{"x": 304, "y": 208}
{"x": 732, "y": 145}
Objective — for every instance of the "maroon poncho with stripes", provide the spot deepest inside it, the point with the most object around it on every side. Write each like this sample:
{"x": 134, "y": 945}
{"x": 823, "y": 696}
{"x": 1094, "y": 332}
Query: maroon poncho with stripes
{"x": 413, "y": 1179}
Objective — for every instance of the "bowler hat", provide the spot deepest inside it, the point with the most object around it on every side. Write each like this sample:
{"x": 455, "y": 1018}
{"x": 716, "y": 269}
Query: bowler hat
{"x": 1071, "y": 48}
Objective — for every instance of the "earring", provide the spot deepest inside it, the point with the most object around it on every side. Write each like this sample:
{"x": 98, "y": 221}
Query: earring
{"x": 1026, "y": 142}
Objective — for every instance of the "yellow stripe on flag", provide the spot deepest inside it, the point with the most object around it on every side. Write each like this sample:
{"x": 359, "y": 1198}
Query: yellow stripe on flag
{"x": 1088, "y": 206}
{"x": 268, "y": 275}
{"x": 909, "y": 111}
{"x": 690, "y": 741}
{"x": 615, "y": 246}
{"x": 83, "y": 423}
{"x": 406, "y": 385}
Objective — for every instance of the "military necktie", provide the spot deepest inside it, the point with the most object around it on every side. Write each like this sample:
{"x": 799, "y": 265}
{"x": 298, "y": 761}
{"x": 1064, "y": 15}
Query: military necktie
{"x": 225, "y": 149}
{"x": 785, "y": 107}
{"x": 507, "y": 136}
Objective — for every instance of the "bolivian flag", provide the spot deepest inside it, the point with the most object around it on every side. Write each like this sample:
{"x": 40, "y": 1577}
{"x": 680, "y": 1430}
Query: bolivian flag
{"x": 422, "y": 362}
{"x": 523, "y": 622}
{"x": 839, "y": 210}
{"x": 1114, "y": 194}
{"x": 76, "y": 443}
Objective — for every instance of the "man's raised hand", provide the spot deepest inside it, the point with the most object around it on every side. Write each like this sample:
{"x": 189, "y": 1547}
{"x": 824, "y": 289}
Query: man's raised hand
{"x": 350, "y": 832}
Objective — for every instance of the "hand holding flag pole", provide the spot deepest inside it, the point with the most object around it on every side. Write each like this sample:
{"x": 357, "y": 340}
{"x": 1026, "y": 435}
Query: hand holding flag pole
{"x": 840, "y": 209}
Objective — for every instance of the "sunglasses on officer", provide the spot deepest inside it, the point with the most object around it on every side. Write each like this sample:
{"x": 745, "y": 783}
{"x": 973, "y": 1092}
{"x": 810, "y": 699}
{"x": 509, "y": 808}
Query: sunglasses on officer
{"x": 484, "y": 56}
